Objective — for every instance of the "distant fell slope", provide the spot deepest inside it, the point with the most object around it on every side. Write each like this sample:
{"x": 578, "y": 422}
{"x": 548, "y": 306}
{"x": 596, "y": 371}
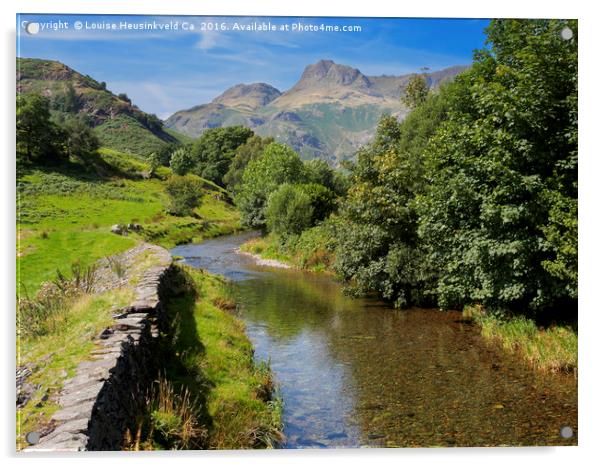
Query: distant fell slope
{"x": 329, "y": 113}
{"x": 118, "y": 123}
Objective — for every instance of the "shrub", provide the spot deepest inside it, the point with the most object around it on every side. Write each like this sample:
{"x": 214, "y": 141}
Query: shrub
{"x": 289, "y": 210}
{"x": 277, "y": 165}
{"x": 184, "y": 194}
{"x": 181, "y": 161}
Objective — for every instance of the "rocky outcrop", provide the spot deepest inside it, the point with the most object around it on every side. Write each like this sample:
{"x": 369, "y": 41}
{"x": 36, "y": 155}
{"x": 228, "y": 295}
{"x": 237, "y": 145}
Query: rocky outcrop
{"x": 109, "y": 389}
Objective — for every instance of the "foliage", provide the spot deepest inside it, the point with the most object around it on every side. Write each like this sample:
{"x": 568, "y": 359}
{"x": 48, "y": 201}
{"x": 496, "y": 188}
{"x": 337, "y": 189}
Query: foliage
{"x": 278, "y": 165}
{"x": 181, "y": 161}
{"x": 416, "y": 91}
{"x": 38, "y": 138}
{"x": 214, "y": 150}
{"x": 322, "y": 201}
{"x": 473, "y": 198}
{"x": 250, "y": 150}
{"x": 184, "y": 194}
{"x": 289, "y": 210}
{"x": 80, "y": 140}
{"x": 154, "y": 162}
{"x": 378, "y": 247}
{"x": 499, "y": 216}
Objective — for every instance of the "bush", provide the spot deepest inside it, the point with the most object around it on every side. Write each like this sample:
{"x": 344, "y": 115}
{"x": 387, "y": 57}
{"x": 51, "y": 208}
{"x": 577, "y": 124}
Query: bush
{"x": 322, "y": 201}
{"x": 184, "y": 194}
{"x": 277, "y": 165}
{"x": 289, "y": 211}
{"x": 181, "y": 161}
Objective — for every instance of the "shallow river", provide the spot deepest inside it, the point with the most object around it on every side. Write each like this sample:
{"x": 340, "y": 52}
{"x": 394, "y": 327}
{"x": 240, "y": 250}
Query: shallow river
{"x": 354, "y": 372}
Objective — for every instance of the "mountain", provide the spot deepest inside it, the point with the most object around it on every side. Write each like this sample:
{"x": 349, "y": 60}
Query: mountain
{"x": 117, "y": 122}
{"x": 329, "y": 113}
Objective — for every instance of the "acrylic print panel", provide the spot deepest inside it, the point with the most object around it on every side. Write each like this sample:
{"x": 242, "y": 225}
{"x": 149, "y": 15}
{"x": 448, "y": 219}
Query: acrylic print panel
{"x": 281, "y": 232}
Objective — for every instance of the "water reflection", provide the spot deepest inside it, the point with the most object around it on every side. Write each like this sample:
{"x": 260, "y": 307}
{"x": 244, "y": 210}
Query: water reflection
{"x": 355, "y": 372}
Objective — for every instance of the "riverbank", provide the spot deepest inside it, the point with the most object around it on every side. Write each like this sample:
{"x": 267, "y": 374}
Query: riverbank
{"x": 552, "y": 349}
{"x": 546, "y": 349}
{"x": 312, "y": 250}
{"x": 208, "y": 356}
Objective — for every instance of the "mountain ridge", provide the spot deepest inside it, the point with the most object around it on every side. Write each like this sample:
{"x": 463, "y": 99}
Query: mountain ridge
{"x": 328, "y": 113}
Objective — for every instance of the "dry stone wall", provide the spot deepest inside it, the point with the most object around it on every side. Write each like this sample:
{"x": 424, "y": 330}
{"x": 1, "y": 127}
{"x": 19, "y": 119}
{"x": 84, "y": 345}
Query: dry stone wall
{"x": 108, "y": 391}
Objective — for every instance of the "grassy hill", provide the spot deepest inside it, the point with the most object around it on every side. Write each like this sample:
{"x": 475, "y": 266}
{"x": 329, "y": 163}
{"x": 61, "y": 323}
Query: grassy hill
{"x": 65, "y": 214}
{"x": 116, "y": 121}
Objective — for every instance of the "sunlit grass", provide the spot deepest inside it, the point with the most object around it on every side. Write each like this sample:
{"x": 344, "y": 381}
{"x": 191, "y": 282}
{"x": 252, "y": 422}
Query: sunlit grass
{"x": 550, "y": 349}
{"x": 216, "y": 348}
{"x": 55, "y": 355}
{"x": 66, "y": 216}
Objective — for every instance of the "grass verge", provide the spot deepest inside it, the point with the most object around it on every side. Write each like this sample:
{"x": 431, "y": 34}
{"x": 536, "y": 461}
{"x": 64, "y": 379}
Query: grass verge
{"x": 551, "y": 349}
{"x": 53, "y": 353}
{"x": 206, "y": 353}
{"x": 312, "y": 250}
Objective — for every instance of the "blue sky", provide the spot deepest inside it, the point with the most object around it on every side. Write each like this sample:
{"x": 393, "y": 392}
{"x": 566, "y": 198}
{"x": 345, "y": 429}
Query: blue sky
{"x": 168, "y": 70}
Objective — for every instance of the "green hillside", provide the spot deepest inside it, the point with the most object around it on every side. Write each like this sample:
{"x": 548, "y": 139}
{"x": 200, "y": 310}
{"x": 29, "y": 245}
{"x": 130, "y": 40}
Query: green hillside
{"x": 116, "y": 121}
{"x": 65, "y": 214}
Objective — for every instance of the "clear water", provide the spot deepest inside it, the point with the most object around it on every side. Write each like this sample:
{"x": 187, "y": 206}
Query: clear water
{"x": 357, "y": 373}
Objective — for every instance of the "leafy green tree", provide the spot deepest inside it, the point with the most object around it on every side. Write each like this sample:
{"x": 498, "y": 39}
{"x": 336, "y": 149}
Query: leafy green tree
{"x": 322, "y": 200}
{"x": 79, "y": 139}
{"x": 154, "y": 162}
{"x": 416, "y": 91}
{"x": 38, "y": 138}
{"x": 289, "y": 210}
{"x": 378, "y": 248}
{"x": 214, "y": 150}
{"x": 184, "y": 194}
{"x": 499, "y": 215}
{"x": 250, "y": 150}
{"x": 181, "y": 161}
{"x": 277, "y": 165}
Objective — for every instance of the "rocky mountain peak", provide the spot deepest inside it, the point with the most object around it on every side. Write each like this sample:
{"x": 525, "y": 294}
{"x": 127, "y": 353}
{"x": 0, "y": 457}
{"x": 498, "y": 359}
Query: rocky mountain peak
{"x": 329, "y": 72}
{"x": 248, "y": 95}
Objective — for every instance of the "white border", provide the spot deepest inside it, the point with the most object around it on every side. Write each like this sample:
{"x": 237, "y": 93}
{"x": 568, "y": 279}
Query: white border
{"x": 589, "y": 213}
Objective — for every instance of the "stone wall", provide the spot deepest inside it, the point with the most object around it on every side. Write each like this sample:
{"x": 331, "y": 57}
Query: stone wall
{"x": 109, "y": 389}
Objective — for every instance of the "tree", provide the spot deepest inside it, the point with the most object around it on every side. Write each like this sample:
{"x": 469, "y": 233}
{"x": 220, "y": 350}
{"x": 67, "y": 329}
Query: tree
{"x": 214, "y": 150}
{"x": 378, "y": 248}
{"x": 277, "y": 165}
{"x": 416, "y": 91}
{"x": 499, "y": 214}
{"x": 123, "y": 96}
{"x": 38, "y": 138}
{"x": 289, "y": 210}
{"x": 184, "y": 194}
{"x": 181, "y": 161}
{"x": 154, "y": 161}
{"x": 321, "y": 199}
{"x": 250, "y": 150}
{"x": 79, "y": 139}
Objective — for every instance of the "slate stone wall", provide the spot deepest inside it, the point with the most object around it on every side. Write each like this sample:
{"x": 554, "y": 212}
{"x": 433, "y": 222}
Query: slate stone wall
{"x": 109, "y": 390}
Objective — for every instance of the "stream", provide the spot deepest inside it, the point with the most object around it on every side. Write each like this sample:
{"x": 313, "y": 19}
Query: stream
{"x": 355, "y": 372}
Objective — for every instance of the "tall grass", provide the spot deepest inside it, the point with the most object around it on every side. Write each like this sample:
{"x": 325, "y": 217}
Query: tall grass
{"x": 44, "y": 313}
{"x": 172, "y": 421}
{"x": 551, "y": 349}
{"x": 208, "y": 352}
